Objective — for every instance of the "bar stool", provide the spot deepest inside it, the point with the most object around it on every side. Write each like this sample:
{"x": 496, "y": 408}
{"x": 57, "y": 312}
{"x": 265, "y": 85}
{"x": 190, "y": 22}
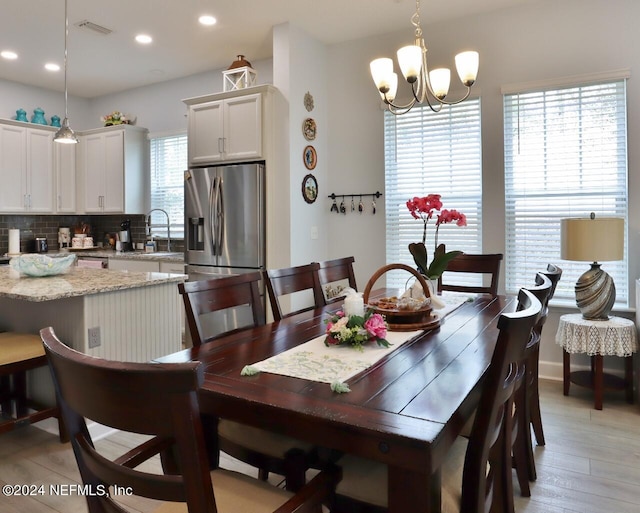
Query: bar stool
{"x": 20, "y": 352}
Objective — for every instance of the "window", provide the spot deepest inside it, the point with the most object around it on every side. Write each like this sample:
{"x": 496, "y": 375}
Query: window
{"x": 565, "y": 156}
{"x": 429, "y": 153}
{"x": 168, "y": 162}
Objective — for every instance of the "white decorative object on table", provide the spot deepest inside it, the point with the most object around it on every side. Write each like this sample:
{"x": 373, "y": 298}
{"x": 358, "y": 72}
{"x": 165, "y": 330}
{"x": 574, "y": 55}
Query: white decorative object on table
{"x": 353, "y": 303}
{"x": 41, "y": 265}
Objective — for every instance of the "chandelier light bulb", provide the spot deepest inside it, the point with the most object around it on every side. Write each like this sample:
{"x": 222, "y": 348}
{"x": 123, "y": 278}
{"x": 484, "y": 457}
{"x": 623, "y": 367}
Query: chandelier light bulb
{"x": 467, "y": 64}
{"x": 410, "y": 61}
{"x": 440, "y": 79}
{"x": 381, "y": 72}
{"x": 393, "y": 89}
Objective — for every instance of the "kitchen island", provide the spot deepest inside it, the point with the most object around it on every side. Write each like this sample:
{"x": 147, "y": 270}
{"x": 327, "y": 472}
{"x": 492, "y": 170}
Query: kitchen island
{"x": 117, "y": 315}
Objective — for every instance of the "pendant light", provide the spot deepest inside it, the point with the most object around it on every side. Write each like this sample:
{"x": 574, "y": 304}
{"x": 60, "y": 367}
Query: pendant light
{"x": 65, "y": 134}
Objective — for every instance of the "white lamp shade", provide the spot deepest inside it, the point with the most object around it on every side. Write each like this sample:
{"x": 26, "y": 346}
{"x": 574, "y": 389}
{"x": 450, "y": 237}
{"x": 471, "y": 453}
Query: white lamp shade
{"x": 393, "y": 89}
{"x": 440, "y": 79}
{"x": 410, "y": 61}
{"x": 382, "y": 72}
{"x": 592, "y": 240}
{"x": 467, "y": 64}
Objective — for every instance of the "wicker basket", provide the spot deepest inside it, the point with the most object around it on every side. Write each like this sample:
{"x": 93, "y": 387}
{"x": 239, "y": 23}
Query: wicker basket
{"x": 402, "y": 320}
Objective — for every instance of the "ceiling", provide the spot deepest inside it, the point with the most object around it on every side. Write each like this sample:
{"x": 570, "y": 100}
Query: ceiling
{"x": 102, "y": 64}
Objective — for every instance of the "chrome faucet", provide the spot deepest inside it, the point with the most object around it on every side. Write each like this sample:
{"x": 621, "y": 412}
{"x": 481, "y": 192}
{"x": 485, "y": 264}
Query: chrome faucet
{"x": 149, "y": 225}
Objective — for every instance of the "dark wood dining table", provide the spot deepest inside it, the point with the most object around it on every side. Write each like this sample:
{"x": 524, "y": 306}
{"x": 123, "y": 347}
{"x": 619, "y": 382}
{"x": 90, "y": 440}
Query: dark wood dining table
{"x": 405, "y": 410}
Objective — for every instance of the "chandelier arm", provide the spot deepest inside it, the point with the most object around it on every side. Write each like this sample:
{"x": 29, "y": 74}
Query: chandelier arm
{"x": 406, "y": 108}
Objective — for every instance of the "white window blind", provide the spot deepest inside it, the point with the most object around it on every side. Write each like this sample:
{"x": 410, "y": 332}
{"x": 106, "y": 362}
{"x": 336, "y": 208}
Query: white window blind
{"x": 432, "y": 153}
{"x": 168, "y": 162}
{"x": 565, "y": 156}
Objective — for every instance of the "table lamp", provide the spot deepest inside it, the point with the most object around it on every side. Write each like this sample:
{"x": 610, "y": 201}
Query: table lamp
{"x": 593, "y": 240}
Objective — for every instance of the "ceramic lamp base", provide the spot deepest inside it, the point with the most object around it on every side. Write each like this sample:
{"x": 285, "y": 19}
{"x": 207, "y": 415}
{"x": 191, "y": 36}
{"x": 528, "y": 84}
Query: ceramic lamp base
{"x": 595, "y": 293}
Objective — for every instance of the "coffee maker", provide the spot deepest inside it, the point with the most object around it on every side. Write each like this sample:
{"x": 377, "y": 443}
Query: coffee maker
{"x": 125, "y": 235}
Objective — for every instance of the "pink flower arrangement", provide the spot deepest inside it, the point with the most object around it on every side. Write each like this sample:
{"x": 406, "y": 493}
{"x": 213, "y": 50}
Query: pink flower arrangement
{"x": 426, "y": 208}
{"x": 355, "y": 330}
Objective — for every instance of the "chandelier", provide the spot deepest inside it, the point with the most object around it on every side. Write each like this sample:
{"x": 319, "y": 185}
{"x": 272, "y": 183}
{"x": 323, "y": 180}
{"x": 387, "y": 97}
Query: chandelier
{"x": 430, "y": 86}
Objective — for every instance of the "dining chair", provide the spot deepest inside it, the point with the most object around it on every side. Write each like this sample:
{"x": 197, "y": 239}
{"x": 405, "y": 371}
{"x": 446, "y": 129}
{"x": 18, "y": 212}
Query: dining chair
{"x": 284, "y": 282}
{"x": 160, "y": 401}
{"x": 528, "y": 401}
{"x": 522, "y": 449}
{"x": 476, "y": 475}
{"x": 338, "y": 270}
{"x": 485, "y": 264}
{"x": 267, "y": 451}
{"x": 19, "y": 353}
{"x": 554, "y": 273}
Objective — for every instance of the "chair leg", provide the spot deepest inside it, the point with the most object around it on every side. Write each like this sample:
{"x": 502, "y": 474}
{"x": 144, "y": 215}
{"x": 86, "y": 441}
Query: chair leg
{"x": 295, "y": 465}
{"x": 521, "y": 446}
{"x": 534, "y": 406}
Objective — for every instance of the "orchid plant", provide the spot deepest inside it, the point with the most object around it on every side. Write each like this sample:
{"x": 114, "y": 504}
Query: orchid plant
{"x": 426, "y": 208}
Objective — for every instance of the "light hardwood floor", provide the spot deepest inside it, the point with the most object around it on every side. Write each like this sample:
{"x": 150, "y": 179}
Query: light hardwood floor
{"x": 591, "y": 463}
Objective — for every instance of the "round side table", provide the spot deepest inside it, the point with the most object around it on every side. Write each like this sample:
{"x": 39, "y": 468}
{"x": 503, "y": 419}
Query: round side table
{"x": 613, "y": 337}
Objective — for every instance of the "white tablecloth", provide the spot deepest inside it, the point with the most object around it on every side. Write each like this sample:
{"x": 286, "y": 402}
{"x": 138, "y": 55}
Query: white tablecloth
{"x": 615, "y": 337}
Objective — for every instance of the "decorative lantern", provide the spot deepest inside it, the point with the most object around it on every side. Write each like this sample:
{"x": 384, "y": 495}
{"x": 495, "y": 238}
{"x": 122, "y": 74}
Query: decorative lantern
{"x": 239, "y": 75}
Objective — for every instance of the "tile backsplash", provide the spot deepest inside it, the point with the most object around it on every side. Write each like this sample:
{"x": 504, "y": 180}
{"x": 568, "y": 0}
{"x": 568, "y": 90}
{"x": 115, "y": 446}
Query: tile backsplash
{"x": 47, "y": 226}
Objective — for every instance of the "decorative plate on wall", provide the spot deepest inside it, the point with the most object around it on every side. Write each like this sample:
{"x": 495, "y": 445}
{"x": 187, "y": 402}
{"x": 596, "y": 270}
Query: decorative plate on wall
{"x": 308, "y": 101}
{"x": 309, "y": 157}
{"x": 309, "y": 129}
{"x": 309, "y": 188}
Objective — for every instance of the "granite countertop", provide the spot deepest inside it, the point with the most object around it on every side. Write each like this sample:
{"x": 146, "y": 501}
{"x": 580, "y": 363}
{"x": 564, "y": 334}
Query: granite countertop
{"x": 158, "y": 256}
{"x": 78, "y": 281}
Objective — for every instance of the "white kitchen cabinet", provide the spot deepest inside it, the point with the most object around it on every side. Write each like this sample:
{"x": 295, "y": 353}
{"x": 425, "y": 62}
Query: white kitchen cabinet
{"x": 114, "y": 169}
{"x": 172, "y": 267}
{"x": 225, "y": 130}
{"x": 64, "y": 164}
{"x": 26, "y": 168}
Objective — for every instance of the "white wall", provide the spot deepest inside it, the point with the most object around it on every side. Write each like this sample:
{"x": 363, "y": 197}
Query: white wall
{"x": 300, "y": 64}
{"x": 546, "y": 39}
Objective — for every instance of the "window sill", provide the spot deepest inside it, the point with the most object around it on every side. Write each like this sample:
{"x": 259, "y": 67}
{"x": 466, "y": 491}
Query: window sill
{"x": 568, "y": 306}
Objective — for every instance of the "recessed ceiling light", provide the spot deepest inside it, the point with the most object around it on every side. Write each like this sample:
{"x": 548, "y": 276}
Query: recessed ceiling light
{"x": 51, "y": 66}
{"x": 8, "y": 54}
{"x": 143, "y": 39}
{"x": 206, "y": 19}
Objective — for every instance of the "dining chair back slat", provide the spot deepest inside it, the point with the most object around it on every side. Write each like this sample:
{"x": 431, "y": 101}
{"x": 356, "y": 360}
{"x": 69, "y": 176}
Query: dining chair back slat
{"x": 207, "y": 296}
{"x": 486, "y": 264}
{"x": 338, "y": 270}
{"x": 283, "y": 282}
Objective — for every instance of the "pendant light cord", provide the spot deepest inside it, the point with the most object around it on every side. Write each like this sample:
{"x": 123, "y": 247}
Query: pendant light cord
{"x": 66, "y": 34}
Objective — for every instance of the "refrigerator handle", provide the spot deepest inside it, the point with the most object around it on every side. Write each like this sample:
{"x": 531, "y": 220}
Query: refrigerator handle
{"x": 212, "y": 218}
{"x": 221, "y": 220}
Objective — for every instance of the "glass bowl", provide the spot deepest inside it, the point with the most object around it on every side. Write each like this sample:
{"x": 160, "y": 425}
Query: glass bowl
{"x": 34, "y": 264}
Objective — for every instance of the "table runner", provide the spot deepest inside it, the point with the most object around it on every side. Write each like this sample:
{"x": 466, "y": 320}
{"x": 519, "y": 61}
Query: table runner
{"x": 336, "y": 364}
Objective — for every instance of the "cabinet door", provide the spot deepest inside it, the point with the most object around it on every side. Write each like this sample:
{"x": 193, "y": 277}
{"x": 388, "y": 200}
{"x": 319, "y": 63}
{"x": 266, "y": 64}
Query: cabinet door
{"x": 206, "y": 133}
{"x": 94, "y": 172}
{"x": 243, "y": 127}
{"x": 65, "y": 173}
{"x": 39, "y": 171}
{"x": 13, "y": 169}
{"x": 114, "y": 172}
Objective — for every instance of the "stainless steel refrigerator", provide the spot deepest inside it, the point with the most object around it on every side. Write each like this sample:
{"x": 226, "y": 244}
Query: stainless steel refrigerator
{"x": 224, "y": 229}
